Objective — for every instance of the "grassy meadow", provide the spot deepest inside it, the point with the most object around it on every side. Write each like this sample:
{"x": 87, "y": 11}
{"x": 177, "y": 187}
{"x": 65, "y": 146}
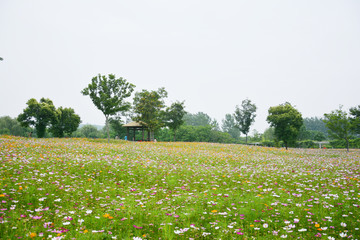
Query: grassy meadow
{"x": 88, "y": 189}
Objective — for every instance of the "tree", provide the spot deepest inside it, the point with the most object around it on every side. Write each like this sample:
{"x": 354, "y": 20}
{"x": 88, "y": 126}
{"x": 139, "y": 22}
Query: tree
{"x": 11, "y": 126}
{"x": 245, "y": 116}
{"x": 269, "y": 134}
{"x": 355, "y": 119}
{"x": 108, "y": 94}
{"x": 228, "y": 125}
{"x": 287, "y": 122}
{"x": 1, "y": 59}
{"x": 88, "y": 131}
{"x": 339, "y": 124}
{"x": 148, "y": 108}
{"x": 198, "y": 119}
{"x": 174, "y": 116}
{"x": 65, "y": 122}
{"x": 315, "y": 124}
{"x": 38, "y": 114}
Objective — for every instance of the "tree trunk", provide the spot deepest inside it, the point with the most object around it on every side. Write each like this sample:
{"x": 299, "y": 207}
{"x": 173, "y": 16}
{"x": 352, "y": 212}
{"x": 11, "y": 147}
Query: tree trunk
{"x": 107, "y": 128}
{"x": 174, "y": 136}
{"x": 246, "y": 138}
{"x": 347, "y": 144}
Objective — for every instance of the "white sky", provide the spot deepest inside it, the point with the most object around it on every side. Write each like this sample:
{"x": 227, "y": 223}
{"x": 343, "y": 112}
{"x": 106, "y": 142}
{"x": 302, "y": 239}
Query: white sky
{"x": 212, "y": 54}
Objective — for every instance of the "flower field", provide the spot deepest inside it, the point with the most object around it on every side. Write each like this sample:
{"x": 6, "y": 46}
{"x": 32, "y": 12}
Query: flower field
{"x": 88, "y": 189}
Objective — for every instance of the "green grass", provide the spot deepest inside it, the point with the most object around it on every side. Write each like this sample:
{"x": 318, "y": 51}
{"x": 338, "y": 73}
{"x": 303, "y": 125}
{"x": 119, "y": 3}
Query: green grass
{"x": 86, "y": 189}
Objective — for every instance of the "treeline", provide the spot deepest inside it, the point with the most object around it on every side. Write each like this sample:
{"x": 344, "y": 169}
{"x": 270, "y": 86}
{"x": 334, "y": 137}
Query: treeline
{"x": 172, "y": 123}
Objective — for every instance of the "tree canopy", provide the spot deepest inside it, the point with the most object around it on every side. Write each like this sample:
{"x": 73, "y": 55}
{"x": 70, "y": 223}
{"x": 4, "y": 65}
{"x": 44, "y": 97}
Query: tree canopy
{"x": 174, "y": 116}
{"x": 245, "y": 116}
{"x": 38, "y": 114}
{"x": 108, "y": 94}
{"x": 339, "y": 124}
{"x": 355, "y": 119}
{"x": 149, "y": 108}
{"x": 287, "y": 122}
{"x": 65, "y": 122}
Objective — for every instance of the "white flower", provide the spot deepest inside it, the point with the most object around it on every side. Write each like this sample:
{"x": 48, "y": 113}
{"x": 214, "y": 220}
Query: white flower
{"x": 296, "y": 220}
{"x": 57, "y": 200}
{"x": 291, "y": 226}
{"x": 230, "y": 226}
{"x": 88, "y": 211}
{"x": 343, "y": 224}
{"x": 137, "y": 238}
{"x": 331, "y": 238}
{"x": 265, "y": 225}
{"x": 283, "y": 236}
{"x": 89, "y": 190}
{"x": 343, "y": 235}
{"x": 81, "y": 221}
{"x": 66, "y": 223}
{"x": 303, "y": 230}
{"x": 205, "y": 234}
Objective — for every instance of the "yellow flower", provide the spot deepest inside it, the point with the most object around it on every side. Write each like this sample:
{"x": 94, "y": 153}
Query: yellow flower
{"x": 214, "y": 211}
{"x": 85, "y": 231}
{"x": 317, "y": 225}
{"x": 32, "y": 235}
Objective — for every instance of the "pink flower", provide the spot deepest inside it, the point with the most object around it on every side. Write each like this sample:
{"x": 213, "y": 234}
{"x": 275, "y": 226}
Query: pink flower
{"x": 137, "y": 227}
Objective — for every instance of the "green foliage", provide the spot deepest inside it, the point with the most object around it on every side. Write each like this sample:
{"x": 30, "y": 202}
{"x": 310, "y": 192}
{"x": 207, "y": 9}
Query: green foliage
{"x": 339, "y": 124}
{"x": 315, "y": 124}
{"x": 287, "y": 122}
{"x": 355, "y": 119}
{"x": 198, "y": 119}
{"x": 148, "y": 108}
{"x": 87, "y": 131}
{"x": 174, "y": 116}
{"x": 245, "y": 116}
{"x": 228, "y": 126}
{"x": 65, "y": 122}
{"x": 11, "y": 126}
{"x": 116, "y": 126}
{"x": 38, "y": 114}
{"x": 353, "y": 143}
{"x": 108, "y": 94}
{"x": 269, "y": 134}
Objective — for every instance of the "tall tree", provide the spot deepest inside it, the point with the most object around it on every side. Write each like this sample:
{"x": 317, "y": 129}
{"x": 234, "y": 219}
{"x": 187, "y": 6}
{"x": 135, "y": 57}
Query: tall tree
{"x": 287, "y": 122}
{"x": 228, "y": 125}
{"x": 65, "y": 122}
{"x": 339, "y": 124}
{"x": 148, "y": 108}
{"x": 108, "y": 94}
{"x": 355, "y": 119}
{"x": 245, "y": 116}
{"x": 174, "y": 116}
{"x": 38, "y": 114}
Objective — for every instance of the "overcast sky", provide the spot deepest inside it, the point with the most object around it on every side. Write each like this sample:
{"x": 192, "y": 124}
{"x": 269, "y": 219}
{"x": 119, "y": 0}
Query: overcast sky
{"x": 211, "y": 54}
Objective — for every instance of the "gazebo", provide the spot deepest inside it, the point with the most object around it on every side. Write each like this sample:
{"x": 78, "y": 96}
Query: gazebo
{"x": 136, "y": 126}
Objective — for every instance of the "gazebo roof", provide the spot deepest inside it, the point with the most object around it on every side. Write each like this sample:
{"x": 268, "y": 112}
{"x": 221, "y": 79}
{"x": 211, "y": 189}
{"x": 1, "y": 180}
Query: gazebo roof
{"x": 135, "y": 124}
